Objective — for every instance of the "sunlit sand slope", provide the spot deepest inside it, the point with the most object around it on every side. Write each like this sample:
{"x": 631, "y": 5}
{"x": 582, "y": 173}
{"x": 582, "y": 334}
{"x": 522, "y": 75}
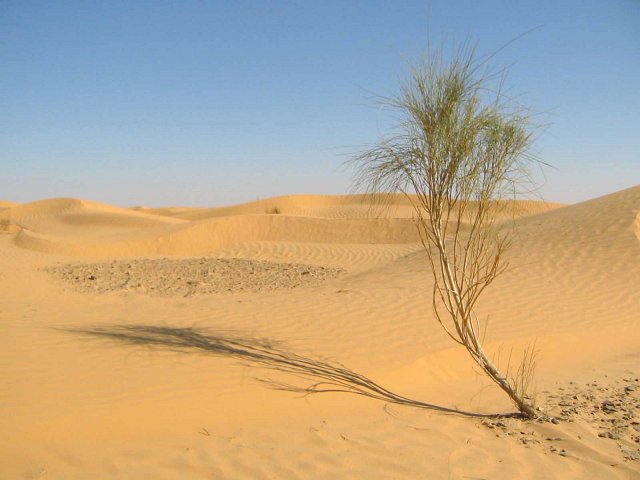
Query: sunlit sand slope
{"x": 206, "y": 237}
{"x": 73, "y": 217}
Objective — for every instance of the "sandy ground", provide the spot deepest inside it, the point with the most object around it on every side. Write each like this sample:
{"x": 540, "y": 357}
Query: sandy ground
{"x": 163, "y": 343}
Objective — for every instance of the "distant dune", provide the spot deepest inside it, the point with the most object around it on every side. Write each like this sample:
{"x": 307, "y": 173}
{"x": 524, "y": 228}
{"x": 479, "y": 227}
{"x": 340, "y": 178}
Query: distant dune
{"x": 84, "y": 228}
{"x": 328, "y": 206}
{"x": 181, "y": 304}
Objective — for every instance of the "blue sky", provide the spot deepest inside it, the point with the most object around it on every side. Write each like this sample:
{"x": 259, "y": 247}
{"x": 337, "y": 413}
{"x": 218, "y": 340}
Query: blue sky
{"x": 210, "y": 103}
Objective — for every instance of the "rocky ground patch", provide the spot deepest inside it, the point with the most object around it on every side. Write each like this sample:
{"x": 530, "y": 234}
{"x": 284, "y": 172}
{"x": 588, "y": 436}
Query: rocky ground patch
{"x": 611, "y": 409}
{"x": 193, "y": 276}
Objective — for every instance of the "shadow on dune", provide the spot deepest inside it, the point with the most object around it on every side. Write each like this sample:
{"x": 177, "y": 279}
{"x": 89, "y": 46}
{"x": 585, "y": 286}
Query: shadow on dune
{"x": 327, "y": 377}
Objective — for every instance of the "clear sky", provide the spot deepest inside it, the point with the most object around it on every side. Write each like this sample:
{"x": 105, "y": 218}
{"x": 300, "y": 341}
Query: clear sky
{"x": 210, "y": 103}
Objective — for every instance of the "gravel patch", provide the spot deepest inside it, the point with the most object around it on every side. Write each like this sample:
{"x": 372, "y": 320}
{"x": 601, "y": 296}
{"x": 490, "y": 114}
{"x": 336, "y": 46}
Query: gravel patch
{"x": 194, "y": 276}
{"x": 611, "y": 409}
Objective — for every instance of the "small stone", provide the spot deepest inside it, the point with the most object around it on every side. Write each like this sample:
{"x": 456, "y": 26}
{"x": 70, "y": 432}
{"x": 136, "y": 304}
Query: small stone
{"x": 608, "y": 407}
{"x": 631, "y": 454}
{"x": 613, "y": 435}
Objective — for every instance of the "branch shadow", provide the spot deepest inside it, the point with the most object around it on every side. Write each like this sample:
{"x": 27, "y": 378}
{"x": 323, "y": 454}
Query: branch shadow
{"x": 257, "y": 352}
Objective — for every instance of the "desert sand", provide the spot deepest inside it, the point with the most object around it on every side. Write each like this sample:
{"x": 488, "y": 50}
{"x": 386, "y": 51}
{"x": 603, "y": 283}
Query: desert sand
{"x": 134, "y": 343}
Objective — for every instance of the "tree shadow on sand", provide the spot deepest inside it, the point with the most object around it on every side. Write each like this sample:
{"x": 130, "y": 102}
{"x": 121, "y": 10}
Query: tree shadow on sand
{"x": 256, "y": 352}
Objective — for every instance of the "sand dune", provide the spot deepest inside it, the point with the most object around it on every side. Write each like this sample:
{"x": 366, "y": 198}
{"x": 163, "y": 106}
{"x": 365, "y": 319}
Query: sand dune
{"x": 83, "y": 228}
{"x": 5, "y": 204}
{"x": 111, "y": 406}
{"x": 206, "y": 237}
{"x": 328, "y": 206}
{"x": 602, "y": 223}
